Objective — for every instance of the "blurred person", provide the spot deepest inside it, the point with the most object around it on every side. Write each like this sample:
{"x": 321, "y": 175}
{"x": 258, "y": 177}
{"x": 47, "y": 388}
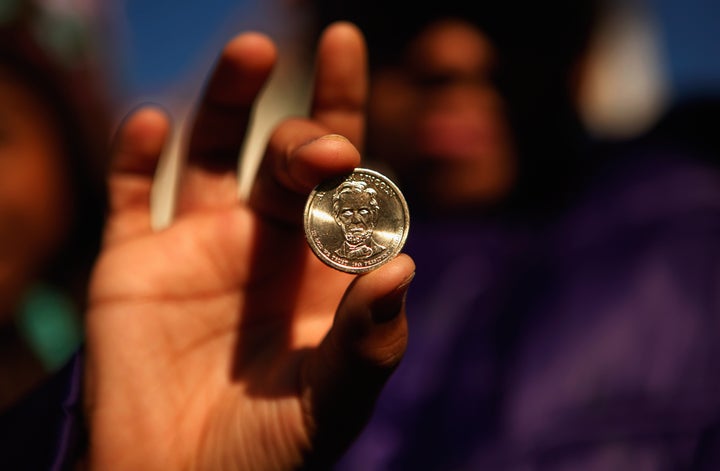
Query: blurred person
{"x": 52, "y": 124}
{"x": 564, "y": 312}
{"x": 220, "y": 341}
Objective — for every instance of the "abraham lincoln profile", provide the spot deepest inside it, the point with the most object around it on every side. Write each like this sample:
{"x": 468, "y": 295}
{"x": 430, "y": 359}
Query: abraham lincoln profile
{"x": 356, "y": 210}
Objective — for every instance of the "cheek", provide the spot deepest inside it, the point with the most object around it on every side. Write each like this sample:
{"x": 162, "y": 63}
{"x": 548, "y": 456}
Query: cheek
{"x": 34, "y": 198}
{"x": 50, "y": 206}
{"x": 391, "y": 110}
{"x": 390, "y": 107}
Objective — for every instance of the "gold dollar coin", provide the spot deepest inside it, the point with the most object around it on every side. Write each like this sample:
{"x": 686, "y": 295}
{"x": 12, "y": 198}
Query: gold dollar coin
{"x": 357, "y": 222}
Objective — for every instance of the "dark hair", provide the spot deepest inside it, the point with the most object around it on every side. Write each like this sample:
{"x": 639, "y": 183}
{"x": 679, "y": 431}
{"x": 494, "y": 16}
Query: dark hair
{"x": 556, "y": 31}
{"x": 73, "y": 96}
{"x": 539, "y": 45}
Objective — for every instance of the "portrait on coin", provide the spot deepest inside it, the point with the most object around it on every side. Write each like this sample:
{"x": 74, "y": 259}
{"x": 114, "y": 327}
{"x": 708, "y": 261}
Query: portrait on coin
{"x": 356, "y": 211}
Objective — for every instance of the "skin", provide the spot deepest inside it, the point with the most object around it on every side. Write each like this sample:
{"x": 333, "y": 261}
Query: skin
{"x": 439, "y": 122}
{"x": 34, "y": 193}
{"x": 221, "y": 342}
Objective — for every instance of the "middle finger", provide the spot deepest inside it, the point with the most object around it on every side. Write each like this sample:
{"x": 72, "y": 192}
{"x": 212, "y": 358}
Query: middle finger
{"x": 209, "y": 176}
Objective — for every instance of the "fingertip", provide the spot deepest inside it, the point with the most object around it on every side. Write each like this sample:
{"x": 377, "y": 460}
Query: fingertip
{"x": 397, "y": 276}
{"x": 144, "y": 130}
{"x": 242, "y": 69}
{"x": 345, "y": 30}
{"x": 342, "y": 37}
{"x": 325, "y": 157}
{"x": 253, "y": 49}
{"x": 145, "y": 114}
{"x": 148, "y": 117}
{"x": 393, "y": 276}
{"x": 152, "y": 113}
{"x": 399, "y": 268}
{"x": 140, "y": 140}
{"x": 372, "y": 322}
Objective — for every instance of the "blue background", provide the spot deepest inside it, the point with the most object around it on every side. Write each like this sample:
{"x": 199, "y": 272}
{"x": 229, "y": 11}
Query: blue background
{"x": 166, "y": 41}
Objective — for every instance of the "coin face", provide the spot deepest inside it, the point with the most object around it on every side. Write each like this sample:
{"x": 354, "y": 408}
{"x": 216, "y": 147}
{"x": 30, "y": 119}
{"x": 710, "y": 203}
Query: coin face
{"x": 357, "y": 222}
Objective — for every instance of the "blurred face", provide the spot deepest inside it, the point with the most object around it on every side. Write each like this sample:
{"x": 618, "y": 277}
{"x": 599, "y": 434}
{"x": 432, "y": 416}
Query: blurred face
{"x": 439, "y": 122}
{"x": 33, "y": 190}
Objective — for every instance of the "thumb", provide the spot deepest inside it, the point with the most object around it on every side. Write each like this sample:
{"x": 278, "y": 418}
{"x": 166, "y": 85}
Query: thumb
{"x": 344, "y": 375}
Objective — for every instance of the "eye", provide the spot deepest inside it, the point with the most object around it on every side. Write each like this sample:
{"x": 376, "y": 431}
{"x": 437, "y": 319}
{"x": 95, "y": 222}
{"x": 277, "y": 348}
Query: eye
{"x": 347, "y": 213}
{"x": 364, "y": 212}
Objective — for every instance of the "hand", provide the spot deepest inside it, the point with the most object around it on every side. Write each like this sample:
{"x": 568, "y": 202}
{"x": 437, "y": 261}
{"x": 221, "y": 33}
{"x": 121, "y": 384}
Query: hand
{"x": 221, "y": 342}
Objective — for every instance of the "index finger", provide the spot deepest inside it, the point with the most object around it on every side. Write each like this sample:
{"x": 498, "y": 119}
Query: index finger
{"x": 303, "y": 152}
{"x": 341, "y": 82}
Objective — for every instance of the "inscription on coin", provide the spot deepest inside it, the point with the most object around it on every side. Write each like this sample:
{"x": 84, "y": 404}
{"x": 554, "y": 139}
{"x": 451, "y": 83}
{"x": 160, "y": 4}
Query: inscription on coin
{"x": 357, "y": 222}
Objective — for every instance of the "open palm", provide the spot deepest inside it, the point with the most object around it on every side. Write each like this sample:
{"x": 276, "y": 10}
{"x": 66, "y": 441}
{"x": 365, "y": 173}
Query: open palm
{"x": 221, "y": 342}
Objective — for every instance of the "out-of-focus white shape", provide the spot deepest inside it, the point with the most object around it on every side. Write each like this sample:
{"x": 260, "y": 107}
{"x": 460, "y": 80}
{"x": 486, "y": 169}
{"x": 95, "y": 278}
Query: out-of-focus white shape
{"x": 286, "y": 94}
{"x": 624, "y": 88}
{"x": 83, "y": 7}
{"x": 166, "y": 178}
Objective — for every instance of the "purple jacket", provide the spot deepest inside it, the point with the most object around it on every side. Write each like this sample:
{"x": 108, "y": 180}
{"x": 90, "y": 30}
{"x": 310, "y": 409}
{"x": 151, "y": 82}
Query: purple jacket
{"x": 589, "y": 343}
{"x": 44, "y": 431}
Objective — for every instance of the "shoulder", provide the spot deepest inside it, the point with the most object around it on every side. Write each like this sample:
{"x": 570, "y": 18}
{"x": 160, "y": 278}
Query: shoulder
{"x": 642, "y": 190}
{"x": 620, "y": 309}
{"x": 44, "y": 430}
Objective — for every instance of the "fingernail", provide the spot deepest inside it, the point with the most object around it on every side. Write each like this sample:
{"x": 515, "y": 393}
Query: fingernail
{"x": 388, "y": 307}
{"x": 335, "y": 137}
{"x": 326, "y": 137}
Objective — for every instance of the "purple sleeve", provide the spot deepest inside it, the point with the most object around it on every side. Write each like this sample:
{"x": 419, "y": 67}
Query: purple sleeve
{"x": 45, "y": 430}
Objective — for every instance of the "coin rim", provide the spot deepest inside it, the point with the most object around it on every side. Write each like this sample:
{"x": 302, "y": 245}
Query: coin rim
{"x": 358, "y": 270}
